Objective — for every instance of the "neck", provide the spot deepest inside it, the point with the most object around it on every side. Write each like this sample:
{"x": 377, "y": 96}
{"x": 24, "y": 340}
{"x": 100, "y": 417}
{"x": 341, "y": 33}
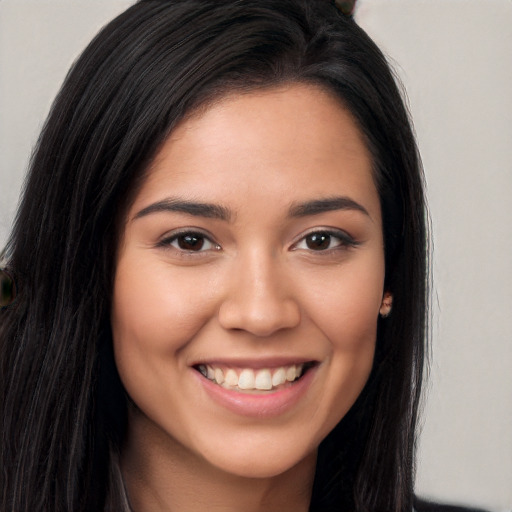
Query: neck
{"x": 161, "y": 475}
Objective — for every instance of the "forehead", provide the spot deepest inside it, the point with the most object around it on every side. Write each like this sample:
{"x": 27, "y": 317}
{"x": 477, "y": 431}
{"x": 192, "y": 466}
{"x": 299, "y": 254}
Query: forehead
{"x": 286, "y": 143}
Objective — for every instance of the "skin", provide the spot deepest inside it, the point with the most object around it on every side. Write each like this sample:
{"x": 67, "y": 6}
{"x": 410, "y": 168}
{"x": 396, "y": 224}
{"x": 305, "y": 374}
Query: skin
{"x": 257, "y": 288}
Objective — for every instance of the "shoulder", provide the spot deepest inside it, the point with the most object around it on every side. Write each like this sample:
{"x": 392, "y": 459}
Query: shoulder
{"x": 422, "y": 505}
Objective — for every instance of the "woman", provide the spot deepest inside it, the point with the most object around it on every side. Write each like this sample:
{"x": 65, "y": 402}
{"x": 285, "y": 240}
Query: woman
{"x": 220, "y": 260}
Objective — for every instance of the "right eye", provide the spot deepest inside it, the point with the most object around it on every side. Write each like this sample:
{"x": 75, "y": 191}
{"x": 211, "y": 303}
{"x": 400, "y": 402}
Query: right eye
{"x": 189, "y": 241}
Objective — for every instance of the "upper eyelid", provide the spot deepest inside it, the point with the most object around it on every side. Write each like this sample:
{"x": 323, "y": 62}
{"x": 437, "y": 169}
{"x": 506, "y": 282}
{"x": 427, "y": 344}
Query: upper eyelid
{"x": 337, "y": 232}
{"x": 170, "y": 237}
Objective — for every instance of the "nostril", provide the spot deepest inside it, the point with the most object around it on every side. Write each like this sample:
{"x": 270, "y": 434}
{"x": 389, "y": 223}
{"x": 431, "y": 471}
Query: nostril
{"x": 260, "y": 318}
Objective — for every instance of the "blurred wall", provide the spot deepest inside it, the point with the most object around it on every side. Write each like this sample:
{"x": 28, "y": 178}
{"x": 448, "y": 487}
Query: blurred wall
{"x": 455, "y": 60}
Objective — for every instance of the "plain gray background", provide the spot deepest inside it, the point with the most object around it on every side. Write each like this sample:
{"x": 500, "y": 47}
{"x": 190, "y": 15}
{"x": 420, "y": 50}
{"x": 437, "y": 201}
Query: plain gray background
{"x": 455, "y": 60}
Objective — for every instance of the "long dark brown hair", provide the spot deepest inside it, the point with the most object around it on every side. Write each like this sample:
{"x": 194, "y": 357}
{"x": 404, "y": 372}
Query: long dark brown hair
{"x": 63, "y": 407}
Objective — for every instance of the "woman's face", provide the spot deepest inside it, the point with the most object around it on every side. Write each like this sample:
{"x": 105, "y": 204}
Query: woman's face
{"x": 249, "y": 280}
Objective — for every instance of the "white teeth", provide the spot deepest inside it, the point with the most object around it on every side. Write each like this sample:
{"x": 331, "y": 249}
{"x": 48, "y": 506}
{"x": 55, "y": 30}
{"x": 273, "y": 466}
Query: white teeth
{"x": 246, "y": 379}
{"x": 279, "y": 377}
{"x": 231, "y": 378}
{"x": 263, "y": 380}
{"x": 291, "y": 373}
{"x": 219, "y": 376}
{"x": 249, "y": 379}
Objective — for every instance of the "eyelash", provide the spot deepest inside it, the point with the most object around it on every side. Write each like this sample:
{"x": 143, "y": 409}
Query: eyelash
{"x": 169, "y": 241}
{"x": 345, "y": 241}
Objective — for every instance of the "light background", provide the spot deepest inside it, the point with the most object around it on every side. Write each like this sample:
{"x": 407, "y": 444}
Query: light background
{"x": 455, "y": 60}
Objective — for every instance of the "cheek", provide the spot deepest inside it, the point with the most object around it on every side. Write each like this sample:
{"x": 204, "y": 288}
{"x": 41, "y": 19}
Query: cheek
{"x": 346, "y": 311}
{"x": 156, "y": 313}
{"x": 351, "y": 328}
{"x": 352, "y": 339}
{"x": 345, "y": 305}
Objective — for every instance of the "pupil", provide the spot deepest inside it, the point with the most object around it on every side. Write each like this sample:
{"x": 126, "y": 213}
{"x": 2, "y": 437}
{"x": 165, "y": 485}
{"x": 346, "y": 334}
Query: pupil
{"x": 318, "y": 241}
{"x": 190, "y": 242}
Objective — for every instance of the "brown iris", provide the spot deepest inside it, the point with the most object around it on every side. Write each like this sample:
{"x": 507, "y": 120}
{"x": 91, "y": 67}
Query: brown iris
{"x": 190, "y": 242}
{"x": 318, "y": 241}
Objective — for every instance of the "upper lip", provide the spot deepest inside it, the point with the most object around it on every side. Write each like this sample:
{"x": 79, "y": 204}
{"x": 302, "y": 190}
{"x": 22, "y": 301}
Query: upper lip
{"x": 254, "y": 363}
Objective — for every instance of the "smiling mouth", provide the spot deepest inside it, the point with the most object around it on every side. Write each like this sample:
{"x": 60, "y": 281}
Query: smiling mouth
{"x": 248, "y": 380}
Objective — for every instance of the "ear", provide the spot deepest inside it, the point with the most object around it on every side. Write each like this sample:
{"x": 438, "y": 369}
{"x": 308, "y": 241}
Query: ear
{"x": 386, "y": 305}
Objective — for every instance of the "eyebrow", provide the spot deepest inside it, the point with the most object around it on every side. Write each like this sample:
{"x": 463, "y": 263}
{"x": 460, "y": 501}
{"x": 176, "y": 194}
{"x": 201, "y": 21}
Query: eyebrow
{"x": 216, "y": 211}
{"x": 197, "y": 209}
{"x": 328, "y": 204}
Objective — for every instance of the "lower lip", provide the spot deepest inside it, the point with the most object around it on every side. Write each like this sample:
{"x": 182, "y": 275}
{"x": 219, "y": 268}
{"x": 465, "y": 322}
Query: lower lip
{"x": 263, "y": 405}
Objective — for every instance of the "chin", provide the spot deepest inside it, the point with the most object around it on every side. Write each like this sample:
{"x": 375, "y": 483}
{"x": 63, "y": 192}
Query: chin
{"x": 257, "y": 455}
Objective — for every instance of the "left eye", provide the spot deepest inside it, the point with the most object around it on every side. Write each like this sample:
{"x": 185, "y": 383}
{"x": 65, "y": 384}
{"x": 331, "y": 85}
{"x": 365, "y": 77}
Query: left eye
{"x": 190, "y": 242}
{"x": 324, "y": 240}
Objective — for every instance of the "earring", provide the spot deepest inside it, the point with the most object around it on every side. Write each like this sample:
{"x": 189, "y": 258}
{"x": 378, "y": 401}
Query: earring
{"x": 387, "y": 305}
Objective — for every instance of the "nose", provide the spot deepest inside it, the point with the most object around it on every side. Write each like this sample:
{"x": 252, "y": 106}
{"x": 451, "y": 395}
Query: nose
{"x": 259, "y": 298}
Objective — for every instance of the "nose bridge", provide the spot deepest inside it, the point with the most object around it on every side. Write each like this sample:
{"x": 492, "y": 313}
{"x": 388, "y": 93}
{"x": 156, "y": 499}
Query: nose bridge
{"x": 260, "y": 295}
